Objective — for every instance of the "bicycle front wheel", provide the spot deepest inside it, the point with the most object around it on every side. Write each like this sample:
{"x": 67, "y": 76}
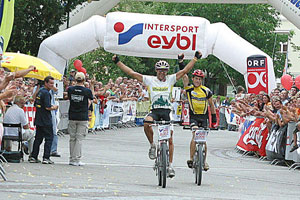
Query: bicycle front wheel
{"x": 199, "y": 164}
{"x": 158, "y": 163}
{"x": 164, "y": 164}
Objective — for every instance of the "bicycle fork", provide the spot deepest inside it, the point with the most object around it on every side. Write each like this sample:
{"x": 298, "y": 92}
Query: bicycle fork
{"x": 196, "y": 157}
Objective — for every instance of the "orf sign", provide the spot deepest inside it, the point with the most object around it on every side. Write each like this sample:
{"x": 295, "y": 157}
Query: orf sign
{"x": 257, "y": 74}
{"x": 158, "y": 36}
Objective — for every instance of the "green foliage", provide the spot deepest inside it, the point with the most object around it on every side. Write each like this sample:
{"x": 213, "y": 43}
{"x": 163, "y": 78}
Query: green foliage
{"x": 253, "y": 22}
{"x": 35, "y": 20}
{"x": 100, "y": 64}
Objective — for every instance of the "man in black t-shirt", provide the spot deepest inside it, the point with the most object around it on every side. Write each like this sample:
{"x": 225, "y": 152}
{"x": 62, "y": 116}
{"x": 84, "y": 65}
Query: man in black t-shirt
{"x": 43, "y": 122}
{"x": 80, "y": 100}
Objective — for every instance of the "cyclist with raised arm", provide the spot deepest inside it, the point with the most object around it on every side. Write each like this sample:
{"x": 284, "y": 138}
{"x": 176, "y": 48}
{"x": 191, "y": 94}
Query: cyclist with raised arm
{"x": 199, "y": 98}
{"x": 160, "y": 90}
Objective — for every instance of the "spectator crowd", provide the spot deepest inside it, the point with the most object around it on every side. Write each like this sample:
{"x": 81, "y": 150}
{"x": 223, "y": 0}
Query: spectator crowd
{"x": 279, "y": 107}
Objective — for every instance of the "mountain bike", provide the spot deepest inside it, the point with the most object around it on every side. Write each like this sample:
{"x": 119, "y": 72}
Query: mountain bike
{"x": 198, "y": 163}
{"x": 162, "y": 151}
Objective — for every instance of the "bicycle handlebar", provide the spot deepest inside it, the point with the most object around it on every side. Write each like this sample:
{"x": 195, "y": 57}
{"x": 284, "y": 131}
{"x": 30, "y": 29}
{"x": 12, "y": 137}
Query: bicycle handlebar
{"x": 163, "y": 122}
{"x": 199, "y": 128}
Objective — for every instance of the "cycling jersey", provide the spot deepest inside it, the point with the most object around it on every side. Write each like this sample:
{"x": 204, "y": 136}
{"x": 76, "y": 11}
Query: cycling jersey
{"x": 160, "y": 91}
{"x": 198, "y": 98}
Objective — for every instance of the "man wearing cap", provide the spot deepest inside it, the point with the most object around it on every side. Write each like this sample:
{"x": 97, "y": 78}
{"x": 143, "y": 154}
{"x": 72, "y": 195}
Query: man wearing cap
{"x": 80, "y": 99}
{"x": 72, "y": 75}
{"x": 160, "y": 89}
{"x": 199, "y": 98}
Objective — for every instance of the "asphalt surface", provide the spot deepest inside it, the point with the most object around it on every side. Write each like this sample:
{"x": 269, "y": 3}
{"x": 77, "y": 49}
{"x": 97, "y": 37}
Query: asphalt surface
{"x": 118, "y": 167}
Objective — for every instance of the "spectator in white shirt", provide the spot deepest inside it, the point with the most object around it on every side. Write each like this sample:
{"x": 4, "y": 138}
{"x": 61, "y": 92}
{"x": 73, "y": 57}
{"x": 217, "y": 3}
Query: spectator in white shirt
{"x": 15, "y": 115}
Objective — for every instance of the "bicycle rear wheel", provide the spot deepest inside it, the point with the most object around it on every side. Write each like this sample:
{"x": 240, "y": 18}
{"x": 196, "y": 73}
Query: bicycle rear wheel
{"x": 164, "y": 164}
{"x": 199, "y": 164}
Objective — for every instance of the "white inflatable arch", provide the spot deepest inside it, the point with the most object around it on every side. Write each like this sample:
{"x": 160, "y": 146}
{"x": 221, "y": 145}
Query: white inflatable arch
{"x": 156, "y": 36}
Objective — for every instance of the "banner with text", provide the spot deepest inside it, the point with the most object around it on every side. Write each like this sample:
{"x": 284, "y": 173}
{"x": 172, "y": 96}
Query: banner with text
{"x": 185, "y": 115}
{"x": 294, "y": 156}
{"x": 257, "y": 71}
{"x": 275, "y": 147}
{"x": 158, "y": 36}
{"x": 129, "y": 108}
{"x": 255, "y": 137}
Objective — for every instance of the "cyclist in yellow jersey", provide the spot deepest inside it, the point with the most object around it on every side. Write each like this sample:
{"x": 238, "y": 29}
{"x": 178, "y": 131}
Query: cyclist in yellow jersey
{"x": 199, "y": 98}
{"x": 160, "y": 89}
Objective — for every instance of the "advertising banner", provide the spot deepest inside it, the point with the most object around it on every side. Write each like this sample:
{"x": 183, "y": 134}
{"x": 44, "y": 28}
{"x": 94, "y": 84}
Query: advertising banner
{"x": 158, "y": 36}
{"x": 245, "y": 123}
{"x": 185, "y": 114}
{"x": 30, "y": 110}
{"x": 255, "y": 137}
{"x": 294, "y": 156}
{"x": 231, "y": 118}
{"x": 275, "y": 147}
{"x": 257, "y": 74}
{"x": 92, "y": 117}
{"x": 176, "y": 93}
{"x": 107, "y": 113}
{"x": 129, "y": 108}
{"x": 63, "y": 114}
{"x": 176, "y": 111}
{"x": 142, "y": 109}
{"x": 1, "y": 134}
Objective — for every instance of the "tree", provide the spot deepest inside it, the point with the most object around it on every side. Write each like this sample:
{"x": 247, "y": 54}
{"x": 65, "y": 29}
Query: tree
{"x": 253, "y": 22}
{"x": 99, "y": 63}
{"x": 35, "y": 20}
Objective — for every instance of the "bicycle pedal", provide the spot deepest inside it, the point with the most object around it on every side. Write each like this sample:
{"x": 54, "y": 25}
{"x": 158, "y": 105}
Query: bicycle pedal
{"x": 154, "y": 167}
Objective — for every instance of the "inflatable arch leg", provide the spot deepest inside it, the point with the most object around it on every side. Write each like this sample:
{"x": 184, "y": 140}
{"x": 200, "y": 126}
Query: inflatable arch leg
{"x": 73, "y": 42}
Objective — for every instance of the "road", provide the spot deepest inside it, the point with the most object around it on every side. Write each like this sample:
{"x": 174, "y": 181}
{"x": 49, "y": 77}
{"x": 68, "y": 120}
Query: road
{"x": 118, "y": 168}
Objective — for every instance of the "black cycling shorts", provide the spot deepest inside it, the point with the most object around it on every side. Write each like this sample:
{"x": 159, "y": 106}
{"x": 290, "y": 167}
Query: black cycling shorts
{"x": 160, "y": 114}
{"x": 198, "y": 120}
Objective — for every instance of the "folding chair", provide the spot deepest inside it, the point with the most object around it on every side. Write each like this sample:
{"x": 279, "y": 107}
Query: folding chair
{"x": 13, "y": 156}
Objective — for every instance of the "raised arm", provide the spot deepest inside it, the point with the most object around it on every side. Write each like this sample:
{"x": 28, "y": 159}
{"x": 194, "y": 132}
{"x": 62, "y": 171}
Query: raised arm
{"x": 189, "y": 66}
{"x": 185, "y": 80}
{"x": 213, "y": 112}
{"x": 13, "y": 75}
{"x": 126, "y": 69}
{"x": 185, "y": 77}
{"x": 212, "y": 105}
{"x": 9, "y": 92}
{"x": 24, "y": 72}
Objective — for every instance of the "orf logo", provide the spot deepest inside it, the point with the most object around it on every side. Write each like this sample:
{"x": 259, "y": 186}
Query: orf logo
{"x": 127, "y": 36}
{"x": 257, "y": 70}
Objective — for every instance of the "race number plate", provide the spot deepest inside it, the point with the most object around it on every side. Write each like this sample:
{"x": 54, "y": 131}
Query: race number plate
{"x": 200, "y": 136}
{"x": 164, "y": 132}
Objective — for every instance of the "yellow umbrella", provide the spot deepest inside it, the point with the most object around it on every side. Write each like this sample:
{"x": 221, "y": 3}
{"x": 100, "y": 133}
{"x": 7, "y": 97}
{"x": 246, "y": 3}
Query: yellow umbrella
{"x": 19, "y": 61}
